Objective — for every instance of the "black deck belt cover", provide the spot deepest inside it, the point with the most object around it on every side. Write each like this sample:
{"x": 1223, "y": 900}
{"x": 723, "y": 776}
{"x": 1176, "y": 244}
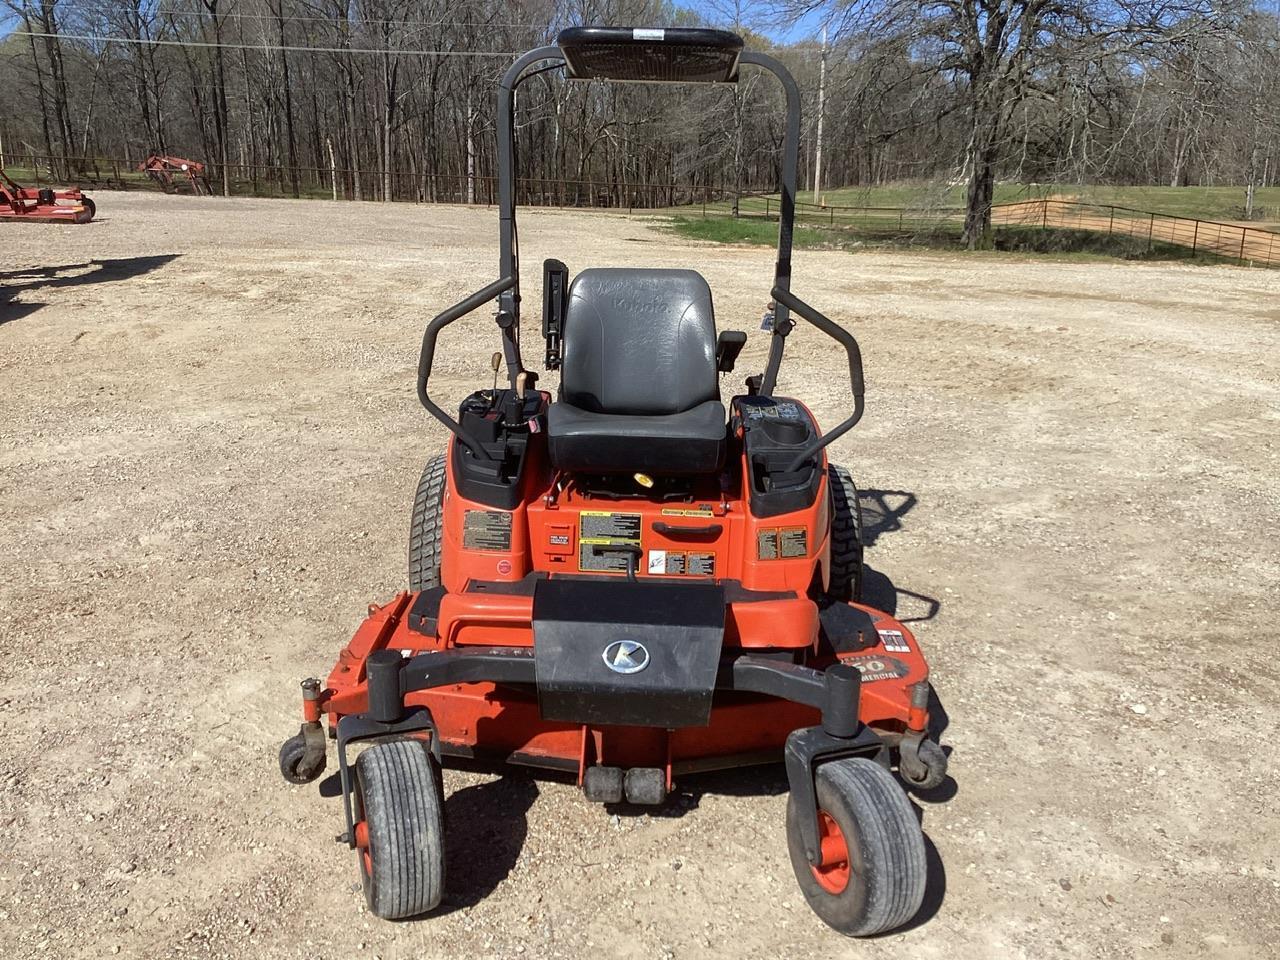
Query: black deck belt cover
{"x": 627, "y": 652}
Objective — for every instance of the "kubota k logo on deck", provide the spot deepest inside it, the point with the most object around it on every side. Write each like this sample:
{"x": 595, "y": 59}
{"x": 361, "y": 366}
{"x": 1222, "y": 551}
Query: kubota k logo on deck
{"x": 626, "y": 656}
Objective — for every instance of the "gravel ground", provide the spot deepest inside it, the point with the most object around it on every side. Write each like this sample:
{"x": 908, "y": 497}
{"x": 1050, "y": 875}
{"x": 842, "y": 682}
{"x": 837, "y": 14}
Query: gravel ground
{"x": 208, "y": 449}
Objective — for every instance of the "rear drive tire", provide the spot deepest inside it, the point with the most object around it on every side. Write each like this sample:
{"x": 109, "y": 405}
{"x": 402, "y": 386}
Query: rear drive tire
{"x": 399, "y": 812}
{"x": 872, "y": 875}
{"x": 845, "y": 577}
{"x": 426, "y": 527}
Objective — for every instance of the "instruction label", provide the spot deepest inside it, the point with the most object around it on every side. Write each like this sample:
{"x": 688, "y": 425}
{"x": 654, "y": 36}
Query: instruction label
{"x": 602, "y": 529}
{"x": 486, "y": 530}
{"x": 767, "y": 544}
{"x": 793, "y": 542}
{"x": 666, "y": 562}
{"x": 606, "y": 561}
{"x": 701, "y": 564}
{"x": 703, "y": 511}
{"x": 786, "y": 410}
{"x": 782, "y": 543}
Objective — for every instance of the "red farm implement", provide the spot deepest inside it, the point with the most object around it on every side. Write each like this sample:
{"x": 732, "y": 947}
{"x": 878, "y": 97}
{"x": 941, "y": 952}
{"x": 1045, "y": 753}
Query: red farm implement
{"x": 43, "y": 204}
{"x": 170, "y": 173}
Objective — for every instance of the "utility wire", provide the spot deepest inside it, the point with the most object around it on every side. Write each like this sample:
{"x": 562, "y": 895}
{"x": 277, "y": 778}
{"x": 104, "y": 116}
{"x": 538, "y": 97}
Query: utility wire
{"x": 265, "y": 48}
{"x": 359, "y": 21}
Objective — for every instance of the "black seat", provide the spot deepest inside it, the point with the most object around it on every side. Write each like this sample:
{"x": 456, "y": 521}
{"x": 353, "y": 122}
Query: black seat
{"x": 639, "y": 390}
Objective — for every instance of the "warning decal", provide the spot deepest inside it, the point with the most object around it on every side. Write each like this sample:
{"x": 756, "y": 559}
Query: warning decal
{"x": 486, "y": 530}
{"x": 773, "y": 543}
{"x": 666, "y": 562}
{"x": 687, "y": 512}
{"x": 793, "y": 542}
{"x": 893, "y": 641}
{"x": 601, "y": 529}
{"x": 702, "y": 564}
{"x": 767, "y": 544}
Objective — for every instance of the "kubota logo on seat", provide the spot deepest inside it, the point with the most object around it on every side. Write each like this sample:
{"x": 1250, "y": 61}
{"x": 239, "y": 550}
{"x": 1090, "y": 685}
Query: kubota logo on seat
{"x": 626, "y": 656}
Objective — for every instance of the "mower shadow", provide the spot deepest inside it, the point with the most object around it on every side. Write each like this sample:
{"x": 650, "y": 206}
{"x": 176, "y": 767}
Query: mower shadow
{"x": 489, "y": 817}
{"x": 883, "y": 512}
{"x": 14, "y": 282}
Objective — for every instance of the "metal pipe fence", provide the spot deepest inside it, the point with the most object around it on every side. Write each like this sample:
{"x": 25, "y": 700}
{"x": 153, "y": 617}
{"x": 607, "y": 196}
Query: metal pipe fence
{"x": 344, "y": 183}
{"x": 1250, "y": 245}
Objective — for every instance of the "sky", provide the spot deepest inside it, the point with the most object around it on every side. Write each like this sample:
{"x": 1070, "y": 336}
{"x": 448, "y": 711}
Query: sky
{"x": 804, "y": 28}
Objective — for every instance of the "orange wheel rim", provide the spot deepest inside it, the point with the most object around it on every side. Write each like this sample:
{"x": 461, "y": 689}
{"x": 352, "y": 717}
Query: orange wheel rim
{"x": 362, "y": 847}
{"x": 832, "y": 869}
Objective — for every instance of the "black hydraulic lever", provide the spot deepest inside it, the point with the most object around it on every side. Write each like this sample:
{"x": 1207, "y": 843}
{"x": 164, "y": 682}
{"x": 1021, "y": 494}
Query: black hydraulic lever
{"x": 633, "y": 552}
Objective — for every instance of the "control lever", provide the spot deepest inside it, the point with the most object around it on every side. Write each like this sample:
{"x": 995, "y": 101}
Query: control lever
{"x": 513, "y": 410}
{"x": 633, "y": 552}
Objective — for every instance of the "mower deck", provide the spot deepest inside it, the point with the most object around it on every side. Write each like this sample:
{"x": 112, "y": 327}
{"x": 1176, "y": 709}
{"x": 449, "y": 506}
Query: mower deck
{"x": 43, "y": 205}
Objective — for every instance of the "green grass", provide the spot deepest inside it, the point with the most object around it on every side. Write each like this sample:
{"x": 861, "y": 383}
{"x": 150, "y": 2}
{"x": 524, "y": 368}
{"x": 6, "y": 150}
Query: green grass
{"x": 754, "y": 232}
{"x": 1053, "y": 244}
{"x": 1199, "y": 203}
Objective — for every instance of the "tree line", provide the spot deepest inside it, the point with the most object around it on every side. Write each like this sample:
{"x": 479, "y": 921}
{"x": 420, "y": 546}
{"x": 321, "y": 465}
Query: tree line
{"x": 394, "y": 99}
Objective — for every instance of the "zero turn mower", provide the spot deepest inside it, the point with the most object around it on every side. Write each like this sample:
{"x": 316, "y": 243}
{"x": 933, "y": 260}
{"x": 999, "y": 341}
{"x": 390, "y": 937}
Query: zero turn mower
{"x": 43, "y": 204}
{"x": 628, "y": 582}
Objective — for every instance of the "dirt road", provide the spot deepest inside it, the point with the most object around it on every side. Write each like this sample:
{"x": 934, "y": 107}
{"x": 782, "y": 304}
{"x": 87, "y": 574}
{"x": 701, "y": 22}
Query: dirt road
{"x": 208, "y": 445}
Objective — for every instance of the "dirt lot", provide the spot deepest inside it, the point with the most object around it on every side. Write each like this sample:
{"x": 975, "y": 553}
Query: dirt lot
{"x": 208, "y": 445}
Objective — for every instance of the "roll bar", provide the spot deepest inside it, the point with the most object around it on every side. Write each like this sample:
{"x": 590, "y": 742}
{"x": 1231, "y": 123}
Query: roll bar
{"x": 675, "y": 55}
{"x": 427, "y": 357}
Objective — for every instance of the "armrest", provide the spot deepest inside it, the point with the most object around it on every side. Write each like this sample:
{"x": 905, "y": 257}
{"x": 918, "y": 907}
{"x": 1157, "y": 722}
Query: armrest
{"x": 728, "y": 345}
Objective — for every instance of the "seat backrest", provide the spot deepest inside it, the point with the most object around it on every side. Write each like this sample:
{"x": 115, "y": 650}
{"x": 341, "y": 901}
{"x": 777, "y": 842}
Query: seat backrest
{"x": 639, "y": 342}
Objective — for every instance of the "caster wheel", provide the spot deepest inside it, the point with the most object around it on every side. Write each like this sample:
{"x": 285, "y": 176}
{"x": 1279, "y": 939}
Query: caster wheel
{"x": 292, "y": 752}
{"x": 871, "y": 877}
{"x": 925, "y": 767}
{"x": 399, "y": 829}
{"x": 645, "y": 785}
{"x": 603, "y": 784}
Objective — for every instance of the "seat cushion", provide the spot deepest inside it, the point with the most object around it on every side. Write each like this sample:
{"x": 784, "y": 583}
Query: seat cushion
{"x": 674, "y": 444}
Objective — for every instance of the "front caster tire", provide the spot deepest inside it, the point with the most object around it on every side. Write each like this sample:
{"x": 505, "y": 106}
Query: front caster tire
{"x": 292, "y": 753}
{"x": 924, "y": 767}
{"x": 872, "y": 872}
{"x": 399, "y": 830}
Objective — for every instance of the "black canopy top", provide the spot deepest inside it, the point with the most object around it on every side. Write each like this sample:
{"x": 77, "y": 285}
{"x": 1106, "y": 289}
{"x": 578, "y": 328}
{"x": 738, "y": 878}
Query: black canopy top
{"x": 670, "y": 55}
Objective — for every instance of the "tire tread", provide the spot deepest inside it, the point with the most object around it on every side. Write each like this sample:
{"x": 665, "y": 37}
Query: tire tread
{"x": 426, "y": 526}
{"x": 403, "y": 807}
{"x": 865, "y": 797}
{"x": 845, "y": 576}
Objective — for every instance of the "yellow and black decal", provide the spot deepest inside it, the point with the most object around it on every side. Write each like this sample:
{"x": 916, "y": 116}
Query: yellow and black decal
{"x": 600, "y": 528}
